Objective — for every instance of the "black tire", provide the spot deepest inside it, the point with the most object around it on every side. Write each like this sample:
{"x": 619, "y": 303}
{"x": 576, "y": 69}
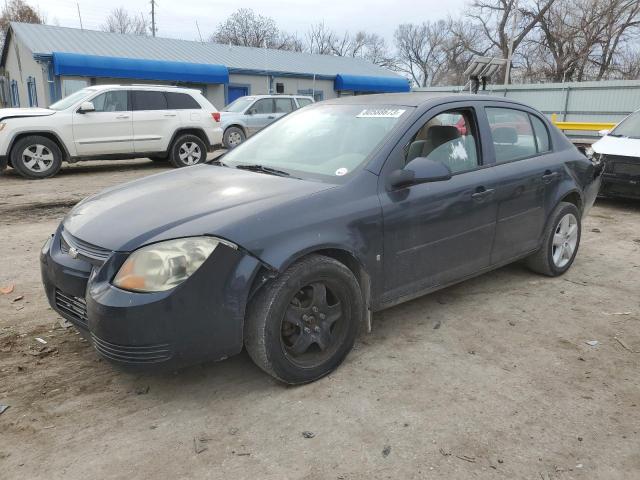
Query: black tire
{"x": 185, "y": 142}
{"x": 271, "y": 340}
{"x": 29, "y": 165}
{"x": 543, "y": 260}
{"x": 232, "y": 133}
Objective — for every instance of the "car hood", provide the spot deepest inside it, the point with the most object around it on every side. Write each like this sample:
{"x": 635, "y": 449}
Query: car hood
{"x": 626, "y": 147}
{"x": 24, "y": 112}
{"x": 204, "y": 199}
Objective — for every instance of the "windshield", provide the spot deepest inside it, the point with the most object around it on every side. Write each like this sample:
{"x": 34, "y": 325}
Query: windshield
{"x": 629, "y": 127}
{"x": 322, "y": 142}
{"x": 238, "y": 105}
{"x": 66, "y": 102}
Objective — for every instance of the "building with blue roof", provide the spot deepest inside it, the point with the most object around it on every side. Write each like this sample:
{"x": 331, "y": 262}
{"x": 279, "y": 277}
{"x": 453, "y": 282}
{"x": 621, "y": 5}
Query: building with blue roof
{"x": 43, "y": 63}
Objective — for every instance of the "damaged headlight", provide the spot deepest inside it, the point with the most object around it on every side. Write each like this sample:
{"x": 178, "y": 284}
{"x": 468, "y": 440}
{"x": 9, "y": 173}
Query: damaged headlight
{"x": 165, "y": 265}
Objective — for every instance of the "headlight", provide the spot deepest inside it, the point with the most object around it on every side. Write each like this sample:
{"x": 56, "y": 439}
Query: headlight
{"x": 589, "y": 152}
{"x": 165, "y": 265}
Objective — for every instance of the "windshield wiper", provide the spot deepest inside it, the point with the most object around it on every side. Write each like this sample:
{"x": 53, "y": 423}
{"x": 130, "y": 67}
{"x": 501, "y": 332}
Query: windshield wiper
{"x": 263, "y": 169}
{"x": 619, "y": 135}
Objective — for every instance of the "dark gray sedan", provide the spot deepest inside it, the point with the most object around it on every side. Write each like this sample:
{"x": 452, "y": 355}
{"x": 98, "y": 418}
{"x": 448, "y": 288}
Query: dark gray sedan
{"x": 289, "y": 242}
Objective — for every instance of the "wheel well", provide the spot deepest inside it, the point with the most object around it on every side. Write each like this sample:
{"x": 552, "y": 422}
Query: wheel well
{"x": 191, "y": 131}
{"x": 237, "y": 125}
{"x": 51, "y": 136}
{"x": 573, "y": 197}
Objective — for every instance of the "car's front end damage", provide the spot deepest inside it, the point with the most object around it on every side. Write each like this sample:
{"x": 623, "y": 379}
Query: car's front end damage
{"x": 199, "y": 319}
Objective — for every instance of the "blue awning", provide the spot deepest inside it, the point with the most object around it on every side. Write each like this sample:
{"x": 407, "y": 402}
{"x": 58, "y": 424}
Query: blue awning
{"x": 359, "y": 83}
{"x": 135, "y": 68}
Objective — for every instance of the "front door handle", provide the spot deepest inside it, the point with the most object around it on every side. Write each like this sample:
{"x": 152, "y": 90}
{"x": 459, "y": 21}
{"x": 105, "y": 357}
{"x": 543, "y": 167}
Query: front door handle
{"x": 549, "y": 176}
{"x": 271, "y": 117}
{"x": 482, "y": 193}
{"x": 122, "y": 116}
{"x": 169, "y": 114}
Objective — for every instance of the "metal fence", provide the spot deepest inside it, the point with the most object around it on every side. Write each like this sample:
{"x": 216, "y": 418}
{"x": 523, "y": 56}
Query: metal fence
{"x": 606, "y": 101}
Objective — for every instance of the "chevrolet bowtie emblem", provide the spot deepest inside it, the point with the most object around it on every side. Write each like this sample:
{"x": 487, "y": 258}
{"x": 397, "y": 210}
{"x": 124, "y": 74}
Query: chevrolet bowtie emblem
{"x": 73, "y": 252}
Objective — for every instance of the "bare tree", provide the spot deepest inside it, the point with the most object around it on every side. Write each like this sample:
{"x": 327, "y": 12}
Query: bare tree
{"x": 421, "y": 50}
{"x": 18, "y": 11}
{"x": 121, "y": 21}
{"x": 246, "y": 28}
{"x": 320, "y": 39}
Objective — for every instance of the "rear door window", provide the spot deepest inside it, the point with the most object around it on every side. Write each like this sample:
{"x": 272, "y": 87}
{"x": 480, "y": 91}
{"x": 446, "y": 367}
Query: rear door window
{"x": 303, "y": 102}
{"x": 181, "y": 101}
{"x": 149, "y": 100}
{"x": 283, "y": 105}
{"x": 511, "y": 133}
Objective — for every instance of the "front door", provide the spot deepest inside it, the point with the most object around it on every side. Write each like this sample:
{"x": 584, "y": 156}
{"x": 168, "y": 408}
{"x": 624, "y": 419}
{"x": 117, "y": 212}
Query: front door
{"x": 261, "y": 114}
{"x": 436, "y": 233}
{"x": 108, "y": 129}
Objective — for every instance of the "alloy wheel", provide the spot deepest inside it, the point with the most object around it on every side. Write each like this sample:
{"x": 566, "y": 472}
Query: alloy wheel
{"x": 234, "y": 139}
{"x": 565, "y": 240}
{"x": 189, "y": 153}
{"x": 37, "y": 158}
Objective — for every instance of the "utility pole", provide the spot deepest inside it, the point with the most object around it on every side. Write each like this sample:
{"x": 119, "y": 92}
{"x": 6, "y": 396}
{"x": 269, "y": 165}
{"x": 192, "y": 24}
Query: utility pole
{"x": 79, "y": 16}
{"x": 153, "y": 18}
{"x": 507, "y": 73}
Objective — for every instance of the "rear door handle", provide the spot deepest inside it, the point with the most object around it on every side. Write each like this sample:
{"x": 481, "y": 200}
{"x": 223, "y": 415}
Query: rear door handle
{"x": 122, "y": 116}
{"x": 549, "y": 176}
{"x": 271, "y": 117}
{"x": 482, "y": 193}
{"x": 169, "y": 114}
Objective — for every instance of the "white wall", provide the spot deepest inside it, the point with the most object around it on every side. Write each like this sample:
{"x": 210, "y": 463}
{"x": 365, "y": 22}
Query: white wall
{"x": 292, "y": 85}
{"x": 20, "y": 65}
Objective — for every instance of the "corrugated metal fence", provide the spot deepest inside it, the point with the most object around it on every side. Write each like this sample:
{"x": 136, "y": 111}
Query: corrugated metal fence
{"x": 606, "y": 101}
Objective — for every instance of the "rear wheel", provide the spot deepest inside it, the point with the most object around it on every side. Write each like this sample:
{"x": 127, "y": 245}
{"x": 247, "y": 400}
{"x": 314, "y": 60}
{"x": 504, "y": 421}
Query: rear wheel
{"x": 302, "y": 325}
{"x": 561, "y": 242}
{"x": 233, "y": 136}
{"x": 36, "y": 157}
{"x": 187, "y": 150}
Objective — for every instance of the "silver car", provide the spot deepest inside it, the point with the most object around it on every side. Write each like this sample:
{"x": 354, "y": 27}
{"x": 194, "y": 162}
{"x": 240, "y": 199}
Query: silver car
{"x": 248, "y": 115}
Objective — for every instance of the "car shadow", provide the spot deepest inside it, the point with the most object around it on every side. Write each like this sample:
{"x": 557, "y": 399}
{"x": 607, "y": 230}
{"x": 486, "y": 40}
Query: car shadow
{"x": 629, "y": 204}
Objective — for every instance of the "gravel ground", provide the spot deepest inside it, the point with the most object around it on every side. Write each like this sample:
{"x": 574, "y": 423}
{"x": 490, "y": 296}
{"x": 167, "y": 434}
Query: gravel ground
{"x": 491, "y": 378}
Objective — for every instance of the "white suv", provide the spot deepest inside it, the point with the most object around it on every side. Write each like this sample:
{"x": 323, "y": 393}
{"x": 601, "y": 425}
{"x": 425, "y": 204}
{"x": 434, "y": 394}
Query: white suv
{"x": 110, "y": 122}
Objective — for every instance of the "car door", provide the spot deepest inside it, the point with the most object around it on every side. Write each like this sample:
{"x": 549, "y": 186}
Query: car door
{"x": 260, "y": 114}
{"x": 153, "y": 122}
{"x": 108, "y": 129}
{"x": 436, "y": 233}
{"x": 525, "y": 172}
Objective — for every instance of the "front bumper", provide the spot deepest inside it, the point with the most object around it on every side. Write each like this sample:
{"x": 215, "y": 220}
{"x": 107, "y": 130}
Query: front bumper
{"x": 200, "y": 320}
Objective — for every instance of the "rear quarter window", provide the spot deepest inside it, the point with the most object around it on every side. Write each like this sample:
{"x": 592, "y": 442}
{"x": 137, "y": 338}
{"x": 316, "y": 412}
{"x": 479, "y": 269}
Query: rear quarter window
{"x": 181, "y": 101}
{"x": 542, "y": 134}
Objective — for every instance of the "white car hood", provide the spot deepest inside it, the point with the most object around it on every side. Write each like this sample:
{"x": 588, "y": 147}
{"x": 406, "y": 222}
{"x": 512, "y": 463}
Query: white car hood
{"x": 24, "y": 112}
{"x": 625, "y": 147}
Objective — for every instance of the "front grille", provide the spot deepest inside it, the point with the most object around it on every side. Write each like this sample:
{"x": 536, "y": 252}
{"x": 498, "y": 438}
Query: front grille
{"x": 75, "y": 307}
{"x": 620, "y": 165}
{"x": 85, "y": 249}
{"x": 132, "y": 354}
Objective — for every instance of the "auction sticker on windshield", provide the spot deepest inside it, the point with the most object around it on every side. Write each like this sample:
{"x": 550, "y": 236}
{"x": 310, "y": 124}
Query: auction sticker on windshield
{"x": 380, "y": 113}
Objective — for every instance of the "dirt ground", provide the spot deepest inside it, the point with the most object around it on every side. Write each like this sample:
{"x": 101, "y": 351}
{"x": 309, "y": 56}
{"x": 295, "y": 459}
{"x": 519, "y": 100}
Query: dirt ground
{"x": 491, "y": 378}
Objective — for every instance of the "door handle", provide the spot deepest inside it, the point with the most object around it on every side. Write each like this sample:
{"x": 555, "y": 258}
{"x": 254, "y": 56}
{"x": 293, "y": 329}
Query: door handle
{"x": 482, "y": 193}
{"x": 271, "y": 117}
{"x": 122, "y": 116}
{"x": 169, "y": 114}
{"x": 549, "y": 176}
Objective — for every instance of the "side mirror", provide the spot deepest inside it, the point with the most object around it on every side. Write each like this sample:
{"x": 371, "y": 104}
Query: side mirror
{"x": 86, "y": 107}
{"x": 419, "y": 170}
{"x": 604, "y": 133}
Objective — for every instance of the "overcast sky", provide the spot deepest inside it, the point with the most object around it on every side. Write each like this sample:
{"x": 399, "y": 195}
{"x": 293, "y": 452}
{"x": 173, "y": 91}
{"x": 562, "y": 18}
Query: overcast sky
{"x": 176, "y": 18}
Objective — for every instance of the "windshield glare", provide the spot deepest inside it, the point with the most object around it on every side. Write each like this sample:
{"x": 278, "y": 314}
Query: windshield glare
{"x": 238, "y": 105}
{"x": 323, "y": 142}
{"x": 629, "y": 127}
{"x": 66, "y": 102}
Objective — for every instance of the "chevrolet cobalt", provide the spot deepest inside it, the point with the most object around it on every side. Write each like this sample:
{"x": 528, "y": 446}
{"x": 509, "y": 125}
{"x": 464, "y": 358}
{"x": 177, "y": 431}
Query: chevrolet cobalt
{"x": 288, "y": 243}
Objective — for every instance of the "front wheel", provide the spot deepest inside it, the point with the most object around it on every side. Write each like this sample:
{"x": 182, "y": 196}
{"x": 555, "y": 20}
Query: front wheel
{"x": 560, "y": 242}
{"x": 187, "y": 150}
{"x": 233, "y": 136}
{"x": 36, "y": 157}
{"x": 303, "y": 324}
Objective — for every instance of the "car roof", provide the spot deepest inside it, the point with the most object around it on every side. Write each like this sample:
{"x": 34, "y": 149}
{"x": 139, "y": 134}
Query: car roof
{"x": 279, "y": 95}
{"x": 167, "y": 88}
{"x": 414, "y": 99}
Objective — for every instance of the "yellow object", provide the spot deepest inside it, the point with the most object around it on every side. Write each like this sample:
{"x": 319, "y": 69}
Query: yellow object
{"x": 591, "y": 126}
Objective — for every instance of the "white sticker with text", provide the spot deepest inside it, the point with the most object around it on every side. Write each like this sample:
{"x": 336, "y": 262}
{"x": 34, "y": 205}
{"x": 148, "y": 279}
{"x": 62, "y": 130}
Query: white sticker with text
{"x": 380, "y": 113}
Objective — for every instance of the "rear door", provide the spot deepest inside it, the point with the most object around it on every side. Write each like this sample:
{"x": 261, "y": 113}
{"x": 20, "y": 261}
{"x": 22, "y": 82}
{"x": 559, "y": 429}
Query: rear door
{"x": 261, "y": 114}
{"x": 282, "y": 106}
{"x": 107, "y": 130}
{"x": 526, "y": 172}
{"x": 153, "y": 122}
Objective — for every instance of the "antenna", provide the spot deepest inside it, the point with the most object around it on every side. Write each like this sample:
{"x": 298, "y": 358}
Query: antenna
{"x": 79, "y": 16}
{"x": 199, "y": 34}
